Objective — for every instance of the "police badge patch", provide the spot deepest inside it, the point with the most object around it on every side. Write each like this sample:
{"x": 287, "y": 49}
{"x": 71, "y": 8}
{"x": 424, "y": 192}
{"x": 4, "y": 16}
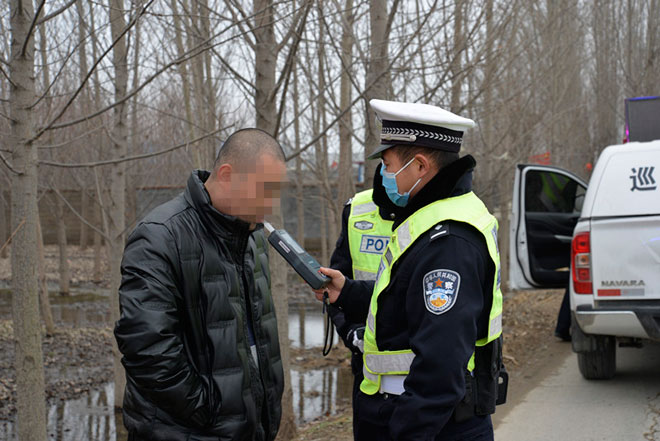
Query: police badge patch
{"x": 441, "y": 290}
{"x": 363, "y": 225}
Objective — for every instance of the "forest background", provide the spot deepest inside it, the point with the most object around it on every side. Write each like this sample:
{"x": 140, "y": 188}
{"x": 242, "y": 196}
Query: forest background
{"x": 101, "y": 98}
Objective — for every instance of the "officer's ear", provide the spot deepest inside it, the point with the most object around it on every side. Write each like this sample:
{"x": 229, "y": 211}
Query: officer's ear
{"x": 423, "y": 164}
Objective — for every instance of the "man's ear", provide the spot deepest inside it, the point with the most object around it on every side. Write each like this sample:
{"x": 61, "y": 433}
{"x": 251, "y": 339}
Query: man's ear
{"x": 223, "y": 173}
{"x": 423, "y": 165}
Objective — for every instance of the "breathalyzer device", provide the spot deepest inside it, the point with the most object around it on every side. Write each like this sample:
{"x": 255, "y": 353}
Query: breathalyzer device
{"x": 301, "y": 261}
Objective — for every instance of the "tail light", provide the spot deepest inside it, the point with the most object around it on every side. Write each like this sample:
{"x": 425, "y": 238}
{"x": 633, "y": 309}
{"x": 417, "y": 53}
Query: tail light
{"x": 581, "y": 263}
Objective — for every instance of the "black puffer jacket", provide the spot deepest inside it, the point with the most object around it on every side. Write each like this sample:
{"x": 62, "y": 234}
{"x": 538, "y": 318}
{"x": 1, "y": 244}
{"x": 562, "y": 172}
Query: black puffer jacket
{"x": 190, "y": 274}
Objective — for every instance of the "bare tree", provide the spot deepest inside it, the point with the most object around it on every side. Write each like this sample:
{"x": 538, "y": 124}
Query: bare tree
{"x": 44, "y": 299}
{"x": 28, "y": 359}
{"x": 604, "y": 82}
{"x": 4, "y": 208}
{"x": 266, "y": 51}
{"x": 83, "y": 238}
{"x": 300, "y": 177}
{"x": 65, "y": 273}
{"x": 345, "y": 184}
{"x": 116, "y": 219}
{"x": 378, "y": 79}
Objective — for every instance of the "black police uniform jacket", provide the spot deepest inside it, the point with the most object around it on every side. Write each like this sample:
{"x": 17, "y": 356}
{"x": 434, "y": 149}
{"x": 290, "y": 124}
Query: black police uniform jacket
{"x": 192, "y": 281}
{"x": 442, "y": 343}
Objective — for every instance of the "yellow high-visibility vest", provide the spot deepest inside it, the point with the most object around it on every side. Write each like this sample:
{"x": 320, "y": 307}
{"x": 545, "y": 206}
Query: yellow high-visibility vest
{"x": 368, "y": 236}
{"x": 466, "y": 208}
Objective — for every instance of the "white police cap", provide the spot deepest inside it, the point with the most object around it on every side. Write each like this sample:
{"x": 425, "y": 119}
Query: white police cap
{"x": 417, "y": 124}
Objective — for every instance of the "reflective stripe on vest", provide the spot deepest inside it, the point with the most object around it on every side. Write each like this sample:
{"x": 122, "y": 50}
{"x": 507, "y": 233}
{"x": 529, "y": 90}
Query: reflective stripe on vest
{"x": 368, "y": 236}
{"x": 466, "y": 208}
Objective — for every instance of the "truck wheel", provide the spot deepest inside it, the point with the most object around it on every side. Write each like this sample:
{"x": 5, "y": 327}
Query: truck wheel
{"x": 600, "y": 363}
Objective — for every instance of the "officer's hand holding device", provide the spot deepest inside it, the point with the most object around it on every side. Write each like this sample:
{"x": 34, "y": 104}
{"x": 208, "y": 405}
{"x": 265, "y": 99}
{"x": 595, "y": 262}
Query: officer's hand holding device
{"x": 334, "y": 287}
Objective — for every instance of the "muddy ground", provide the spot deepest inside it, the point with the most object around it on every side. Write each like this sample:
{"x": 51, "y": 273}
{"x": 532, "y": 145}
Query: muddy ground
{"x": 79, "y": 359}
{"x": 75, "y": 360}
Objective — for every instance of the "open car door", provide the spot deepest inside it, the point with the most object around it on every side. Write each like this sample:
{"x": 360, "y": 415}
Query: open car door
{"x": 547, "y": 202}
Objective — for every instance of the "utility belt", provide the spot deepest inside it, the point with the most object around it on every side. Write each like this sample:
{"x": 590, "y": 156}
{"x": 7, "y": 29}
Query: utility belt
{"x": 485, "y": 387}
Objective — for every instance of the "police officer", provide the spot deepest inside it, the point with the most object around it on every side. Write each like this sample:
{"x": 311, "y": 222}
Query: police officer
{"x": 365, "y": 233}
{"x": 432, "y": 345}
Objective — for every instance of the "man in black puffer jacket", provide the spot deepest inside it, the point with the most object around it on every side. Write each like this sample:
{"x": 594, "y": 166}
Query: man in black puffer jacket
{"x": 198, "y": 330}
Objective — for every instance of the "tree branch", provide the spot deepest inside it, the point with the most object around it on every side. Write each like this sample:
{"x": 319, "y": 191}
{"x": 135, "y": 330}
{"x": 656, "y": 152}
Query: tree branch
{"x": 7, "y": 76}
{"x": 362, "y": 94}
{"x": 232, "y": 70}
{"x": 8, "y": 165}
{"x": 56, "y": 13}
{"x": 12, "y": 235}
{"x": 288, "y": 67}
{"x": 390, "y": 18}
{"x": 192, "y": 53}
{"x": 134, "y": 157}
{"x": 245, "y": 19}
{"x": 78, "y": 215}
{"x": 32, "y": 26}
{"x": 51, "y": 124}
{"x": 304, "y": 12}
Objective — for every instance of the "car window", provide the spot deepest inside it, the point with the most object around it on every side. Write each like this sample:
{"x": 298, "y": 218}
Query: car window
{"x": 550, "y": 192}
{"x": 580, "y": 193}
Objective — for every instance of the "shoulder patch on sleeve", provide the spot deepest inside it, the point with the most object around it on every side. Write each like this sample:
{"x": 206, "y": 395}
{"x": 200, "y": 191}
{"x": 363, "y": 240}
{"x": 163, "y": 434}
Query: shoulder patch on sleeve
{"x": 349, "y": 201}
{"x": 440, "y": 288}
{"x": 440, "y": 230}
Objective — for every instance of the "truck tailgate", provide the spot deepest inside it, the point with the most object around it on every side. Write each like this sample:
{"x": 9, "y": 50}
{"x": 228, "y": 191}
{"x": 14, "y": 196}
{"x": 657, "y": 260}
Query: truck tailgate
{"x": 625, "y": 258}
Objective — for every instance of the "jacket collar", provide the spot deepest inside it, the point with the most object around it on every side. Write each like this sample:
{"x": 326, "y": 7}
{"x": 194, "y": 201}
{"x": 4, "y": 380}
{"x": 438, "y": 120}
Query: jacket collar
{"x": 452, "y": 180}
{"x": 221, "y": 224}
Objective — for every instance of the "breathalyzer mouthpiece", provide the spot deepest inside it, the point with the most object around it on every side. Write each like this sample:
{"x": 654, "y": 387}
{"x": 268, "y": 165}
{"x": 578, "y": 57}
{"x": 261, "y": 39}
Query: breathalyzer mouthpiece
{"x": 268, "y": 227}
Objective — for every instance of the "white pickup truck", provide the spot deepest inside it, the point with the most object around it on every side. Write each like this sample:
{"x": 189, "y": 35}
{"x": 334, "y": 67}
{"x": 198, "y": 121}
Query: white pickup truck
{"x": 602, "y": 240}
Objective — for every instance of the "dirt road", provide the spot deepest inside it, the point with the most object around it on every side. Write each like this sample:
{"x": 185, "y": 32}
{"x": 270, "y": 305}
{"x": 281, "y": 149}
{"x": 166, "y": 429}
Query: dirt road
{"x": 564, "y": 406}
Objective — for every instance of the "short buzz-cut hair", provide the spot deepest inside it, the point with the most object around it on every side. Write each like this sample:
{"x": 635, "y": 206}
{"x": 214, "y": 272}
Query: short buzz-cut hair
{"x": 247, "y": 145}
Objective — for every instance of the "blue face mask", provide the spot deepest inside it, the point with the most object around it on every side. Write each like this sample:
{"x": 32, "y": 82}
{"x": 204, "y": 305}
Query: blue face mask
{"x": 391, "y": 188}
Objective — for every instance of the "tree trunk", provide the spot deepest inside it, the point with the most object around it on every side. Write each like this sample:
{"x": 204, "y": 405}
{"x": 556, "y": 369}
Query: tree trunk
{"x": 324, "y": 190}
{"x": 345, "y": 184}
{"x": 265, "y": 56}
{"x": 65, "y": 274}
{"x": 323, "y": 226}
{"x": 4, "y": 208}
{"x": 183, "y": 71}
{"x": 82, "y": 72}
{"x": 278, "y": 273}
{"x": 210, "y": 113}
{"x": 117, "y": 206}
{"x": 131, "y": 201}
{"x": 456, "y": 65}
{"x": 28, "y": 359}
{"x": 84, "y": 212}
{"x": 651, "y": 60}
{"x": 300, "y": 203}
{"x": 197, "y": 70}
{"x": 605, "y": 75}
{"x": 300, "y": 179}
{"x": 97, "y": 276}
{"x": 378, "y": 83}
{"x": 46, "y": 312}
{"x": 265, "y": 53}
